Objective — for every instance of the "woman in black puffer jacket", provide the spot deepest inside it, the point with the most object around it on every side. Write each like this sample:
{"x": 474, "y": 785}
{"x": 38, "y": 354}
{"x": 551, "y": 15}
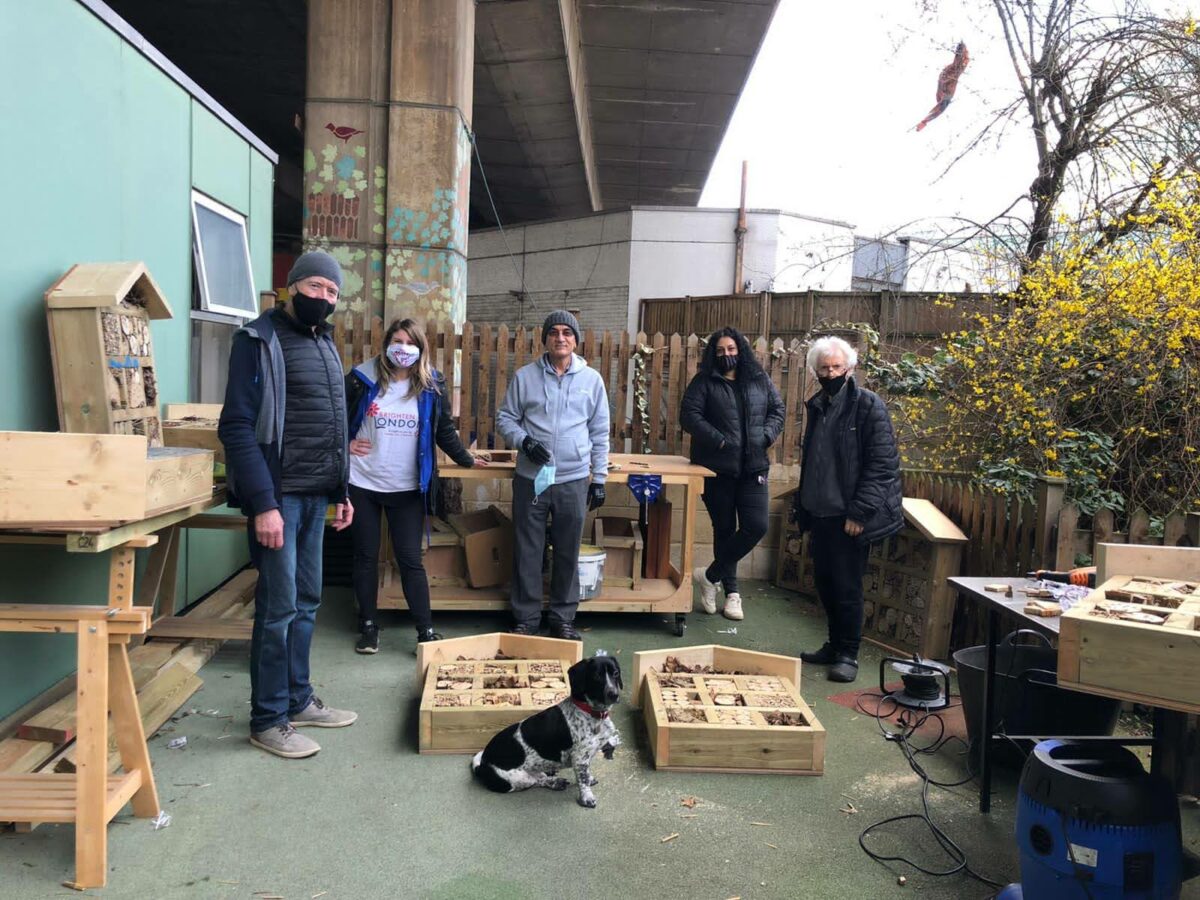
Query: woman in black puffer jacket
{"x": 734, "y": 414}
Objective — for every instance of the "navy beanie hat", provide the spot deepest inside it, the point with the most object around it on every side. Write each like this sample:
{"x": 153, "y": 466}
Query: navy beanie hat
{"x": 316, "y": 262}
{"x": 561, "y": 317}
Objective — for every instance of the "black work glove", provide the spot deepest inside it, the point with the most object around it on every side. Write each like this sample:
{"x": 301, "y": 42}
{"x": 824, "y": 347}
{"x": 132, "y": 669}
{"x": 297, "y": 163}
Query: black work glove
{"x": 595, "y": 496}
{"x": 535, "y": 451}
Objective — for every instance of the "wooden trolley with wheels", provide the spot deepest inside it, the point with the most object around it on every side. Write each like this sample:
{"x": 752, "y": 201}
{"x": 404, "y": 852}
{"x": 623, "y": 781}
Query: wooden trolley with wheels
{"x": 671, "y": 592}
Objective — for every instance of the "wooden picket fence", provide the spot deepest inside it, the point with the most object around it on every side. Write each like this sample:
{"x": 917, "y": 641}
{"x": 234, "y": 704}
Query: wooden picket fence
{"x": 1011, "y": 537}
{"x": 645, "y": 377}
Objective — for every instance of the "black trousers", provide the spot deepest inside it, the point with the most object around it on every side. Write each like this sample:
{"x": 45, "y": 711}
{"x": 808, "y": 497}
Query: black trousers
{"x": 405, "y": 512}
{"x": 839, "y": 562}
{"x": 738, "y": 509}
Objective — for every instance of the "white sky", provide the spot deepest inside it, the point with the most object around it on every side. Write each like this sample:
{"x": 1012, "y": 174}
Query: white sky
{"x": 827, "y": 118}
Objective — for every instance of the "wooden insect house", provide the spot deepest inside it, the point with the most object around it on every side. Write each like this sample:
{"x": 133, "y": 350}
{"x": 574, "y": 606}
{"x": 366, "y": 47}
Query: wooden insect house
{"x": 99, "y": 317}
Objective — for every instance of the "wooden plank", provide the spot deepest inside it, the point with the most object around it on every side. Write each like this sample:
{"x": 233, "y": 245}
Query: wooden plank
{"x": 190, "y": 627}
{"x": 931, "y": 522}
{"x": 674, "y": 393}
{"x": 1102, "y": 526}
{"x": 778, "y": 361}
{"x": 1174, "y": 529}
{"x": 450, "y": 368}
{"x": 1028, "y": 518}
{"x": 483, "y": 385}
{"x": 91, "y": 827}
{"x": 177, "y": 476}
{"x": 501, "y": 377}
{"x": 82, "y": 379}
{"x": 100, "y": 541}
{"x": 1114, "y": 560}
{"x": 1139, "y": 527}
{"x": 606, "y": 373}
{"x": 78, "y": 478}
{"x": 469, "y": 376}
{"x": 130, "y": 737}
{"x": 656, "y": 364}
{"x": 621, "y": 409}
{"x": 1064, "y": 553}
{"x": 158, "y": 701}
{"x": 789, "y": 449}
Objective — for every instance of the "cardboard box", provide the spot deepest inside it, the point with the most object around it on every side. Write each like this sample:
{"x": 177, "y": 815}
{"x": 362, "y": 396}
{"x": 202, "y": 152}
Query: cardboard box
{"x": 488, "y": 543}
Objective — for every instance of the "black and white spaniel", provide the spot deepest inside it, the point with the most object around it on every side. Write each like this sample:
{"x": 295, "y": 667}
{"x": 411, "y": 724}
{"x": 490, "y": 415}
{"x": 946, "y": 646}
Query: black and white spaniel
{"x": 567, "y": 735}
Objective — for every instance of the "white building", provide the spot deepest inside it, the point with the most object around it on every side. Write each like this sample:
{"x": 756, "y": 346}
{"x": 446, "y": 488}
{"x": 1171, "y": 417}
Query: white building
{"x": 605, "y": 264}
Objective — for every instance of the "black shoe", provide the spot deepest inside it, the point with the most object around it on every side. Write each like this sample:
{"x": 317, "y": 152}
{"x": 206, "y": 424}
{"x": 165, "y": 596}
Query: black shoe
{"x": 529, "y": 630}
{"x": 368, "y": 639}
{"x": 844, "y": 669}
{"x": 565, "y": 631}
{"x": 822, "y": 657}
{"x": 425, "y": 636}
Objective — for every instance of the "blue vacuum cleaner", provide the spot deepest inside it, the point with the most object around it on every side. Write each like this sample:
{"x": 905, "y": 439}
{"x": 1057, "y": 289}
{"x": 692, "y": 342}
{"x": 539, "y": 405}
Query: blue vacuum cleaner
{"x": 1093, "y": 824}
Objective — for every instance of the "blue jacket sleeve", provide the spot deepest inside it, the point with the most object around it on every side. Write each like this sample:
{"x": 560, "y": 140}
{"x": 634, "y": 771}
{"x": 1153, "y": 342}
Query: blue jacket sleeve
{"x": 249, "y": 474}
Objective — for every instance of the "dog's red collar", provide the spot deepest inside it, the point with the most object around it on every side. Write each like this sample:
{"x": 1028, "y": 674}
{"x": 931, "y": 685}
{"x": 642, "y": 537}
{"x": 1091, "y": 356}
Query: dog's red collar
{"x": 590, "y": 710}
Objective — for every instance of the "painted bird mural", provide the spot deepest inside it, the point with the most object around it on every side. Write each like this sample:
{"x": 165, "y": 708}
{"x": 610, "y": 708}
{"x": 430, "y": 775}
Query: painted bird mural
{"x": 947, "y": 82}
{"x": 345, "y": 132}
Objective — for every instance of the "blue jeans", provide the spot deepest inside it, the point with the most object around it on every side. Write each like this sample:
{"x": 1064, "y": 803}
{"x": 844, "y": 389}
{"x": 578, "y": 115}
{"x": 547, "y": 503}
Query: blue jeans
{"x": 285, "y": 612}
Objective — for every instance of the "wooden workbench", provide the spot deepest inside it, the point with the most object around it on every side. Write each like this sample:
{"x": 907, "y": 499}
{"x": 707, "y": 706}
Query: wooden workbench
{"x": 653, "y": 595}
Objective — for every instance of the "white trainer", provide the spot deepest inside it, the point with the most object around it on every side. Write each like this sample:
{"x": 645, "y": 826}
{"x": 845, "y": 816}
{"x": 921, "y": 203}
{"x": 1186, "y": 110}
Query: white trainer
{"x": 733, "y": 607}
{"x": 708, "y": 590}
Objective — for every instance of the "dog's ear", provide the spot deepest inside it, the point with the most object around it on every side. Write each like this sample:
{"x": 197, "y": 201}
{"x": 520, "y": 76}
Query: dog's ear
{"x": 575, "y": 675}
{"x": 616, "y": 667}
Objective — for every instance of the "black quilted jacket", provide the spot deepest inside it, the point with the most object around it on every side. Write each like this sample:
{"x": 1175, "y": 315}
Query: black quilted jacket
{"x": 710, "y": 414}
{"x": 868, "y": 465}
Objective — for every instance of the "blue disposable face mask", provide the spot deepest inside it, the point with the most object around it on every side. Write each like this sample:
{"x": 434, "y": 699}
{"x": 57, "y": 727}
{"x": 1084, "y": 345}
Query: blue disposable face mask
{"x": 543, "y": 479}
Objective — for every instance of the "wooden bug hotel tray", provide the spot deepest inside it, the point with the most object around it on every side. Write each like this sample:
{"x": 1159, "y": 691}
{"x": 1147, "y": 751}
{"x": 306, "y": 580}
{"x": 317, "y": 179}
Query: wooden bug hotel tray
{"x": 473, "y": 687}
{"x": 1135, "y": 638}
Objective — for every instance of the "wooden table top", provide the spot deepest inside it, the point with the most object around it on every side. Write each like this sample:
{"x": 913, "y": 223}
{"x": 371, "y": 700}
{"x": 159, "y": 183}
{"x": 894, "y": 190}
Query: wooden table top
{"x": 673, "y": 469}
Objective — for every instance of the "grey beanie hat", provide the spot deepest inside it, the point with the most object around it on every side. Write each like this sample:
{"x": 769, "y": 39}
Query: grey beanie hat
{"x": 316, "y": 262}
{"x": 561, "y": 317}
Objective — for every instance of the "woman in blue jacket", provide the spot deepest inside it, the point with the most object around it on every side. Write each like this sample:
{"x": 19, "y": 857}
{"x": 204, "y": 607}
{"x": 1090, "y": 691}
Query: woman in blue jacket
{"x": 398, "y": 413}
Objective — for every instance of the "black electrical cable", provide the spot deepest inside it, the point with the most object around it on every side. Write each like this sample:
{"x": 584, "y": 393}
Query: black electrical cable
{"x": 909, "y": 725}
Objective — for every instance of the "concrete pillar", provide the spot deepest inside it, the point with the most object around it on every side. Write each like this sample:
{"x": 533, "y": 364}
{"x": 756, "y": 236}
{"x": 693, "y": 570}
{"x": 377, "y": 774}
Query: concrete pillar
{"x": 387, "y": 157}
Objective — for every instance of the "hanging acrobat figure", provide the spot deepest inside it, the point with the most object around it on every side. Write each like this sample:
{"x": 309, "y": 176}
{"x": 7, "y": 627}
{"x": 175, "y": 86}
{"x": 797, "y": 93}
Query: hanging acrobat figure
{"x": 947, "y": 82}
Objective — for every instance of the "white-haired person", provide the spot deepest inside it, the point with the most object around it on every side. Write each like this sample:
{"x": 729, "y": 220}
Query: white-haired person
{"x": 849, "y": 496}
{"x": 734, "y": 414}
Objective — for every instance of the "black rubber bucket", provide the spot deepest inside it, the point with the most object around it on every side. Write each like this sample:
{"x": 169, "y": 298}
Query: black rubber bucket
{"x": 1028, "y": 699}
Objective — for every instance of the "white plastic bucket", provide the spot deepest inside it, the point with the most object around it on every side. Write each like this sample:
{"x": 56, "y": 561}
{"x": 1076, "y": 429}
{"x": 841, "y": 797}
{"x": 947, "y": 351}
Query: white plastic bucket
{"x": 591, "y": 571}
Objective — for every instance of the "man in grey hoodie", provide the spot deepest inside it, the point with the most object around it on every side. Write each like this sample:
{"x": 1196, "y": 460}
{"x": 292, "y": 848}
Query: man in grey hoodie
{"x": 556, "y": 413}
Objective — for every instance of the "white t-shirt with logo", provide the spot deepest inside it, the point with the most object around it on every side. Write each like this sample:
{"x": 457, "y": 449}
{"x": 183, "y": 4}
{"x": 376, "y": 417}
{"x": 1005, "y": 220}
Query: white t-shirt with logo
{"x": 391, "y": 425}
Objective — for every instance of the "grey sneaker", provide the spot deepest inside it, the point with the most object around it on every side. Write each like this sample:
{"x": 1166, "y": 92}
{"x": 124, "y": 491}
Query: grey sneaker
{"x": 283, "y": 740}
{"x": 319, "y": 715}
{"x": 708, "y": 590}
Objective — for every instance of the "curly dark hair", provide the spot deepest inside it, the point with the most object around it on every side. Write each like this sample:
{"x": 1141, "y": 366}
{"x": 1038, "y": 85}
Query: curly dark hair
{"x": 747, "y": 361}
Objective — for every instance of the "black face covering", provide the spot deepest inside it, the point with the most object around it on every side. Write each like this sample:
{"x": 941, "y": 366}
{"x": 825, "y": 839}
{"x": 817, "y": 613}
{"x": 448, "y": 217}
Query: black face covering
{"x": 831, "y": 384}
{"x": 726, "y": 363}
{"x": 311, "y": 311}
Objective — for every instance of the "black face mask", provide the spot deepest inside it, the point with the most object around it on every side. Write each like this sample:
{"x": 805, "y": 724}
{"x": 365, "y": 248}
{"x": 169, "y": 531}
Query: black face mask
{"x": 831, "y": 385}
{"x": 726, "y": 363}
{"x": 311, "y": 311}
